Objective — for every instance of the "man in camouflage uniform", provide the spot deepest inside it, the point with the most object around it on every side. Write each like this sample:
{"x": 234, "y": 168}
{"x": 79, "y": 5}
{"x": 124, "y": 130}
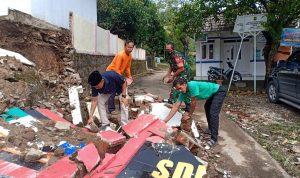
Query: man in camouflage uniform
{"x": 178, "y": 68}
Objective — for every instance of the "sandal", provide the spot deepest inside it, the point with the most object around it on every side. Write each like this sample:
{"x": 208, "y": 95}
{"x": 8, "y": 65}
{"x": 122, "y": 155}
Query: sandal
{"x": 210, "y": 144}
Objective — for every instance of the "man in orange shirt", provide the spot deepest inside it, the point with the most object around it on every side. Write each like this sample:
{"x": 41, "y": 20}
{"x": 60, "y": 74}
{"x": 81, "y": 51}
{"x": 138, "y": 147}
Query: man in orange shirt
{"x": 121, "y": 63}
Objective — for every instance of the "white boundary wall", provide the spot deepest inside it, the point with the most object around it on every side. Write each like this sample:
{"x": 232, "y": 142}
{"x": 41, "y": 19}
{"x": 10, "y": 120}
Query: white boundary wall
{"x": 87, "y": 37}
{"x": 54, "y": 11}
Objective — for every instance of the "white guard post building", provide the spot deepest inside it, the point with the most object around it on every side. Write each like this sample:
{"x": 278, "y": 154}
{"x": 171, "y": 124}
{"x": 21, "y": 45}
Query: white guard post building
{"x": 220, "y": 44}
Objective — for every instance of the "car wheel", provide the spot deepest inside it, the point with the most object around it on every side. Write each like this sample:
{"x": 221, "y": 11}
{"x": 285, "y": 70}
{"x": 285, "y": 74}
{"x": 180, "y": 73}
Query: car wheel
{"x": 272, "y": 92}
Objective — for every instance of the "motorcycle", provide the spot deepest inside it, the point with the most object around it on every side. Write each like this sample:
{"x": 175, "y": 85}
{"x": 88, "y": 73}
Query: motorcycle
{"x": 215, "y": 73}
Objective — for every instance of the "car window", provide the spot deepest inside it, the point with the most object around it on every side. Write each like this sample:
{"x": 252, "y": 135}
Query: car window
{"x": 294, "y": 61}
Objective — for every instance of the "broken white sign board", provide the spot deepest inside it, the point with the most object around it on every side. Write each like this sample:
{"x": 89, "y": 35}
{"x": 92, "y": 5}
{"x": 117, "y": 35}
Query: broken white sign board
{"x": 161, "y": 111}
{"x": 74, "y": 102}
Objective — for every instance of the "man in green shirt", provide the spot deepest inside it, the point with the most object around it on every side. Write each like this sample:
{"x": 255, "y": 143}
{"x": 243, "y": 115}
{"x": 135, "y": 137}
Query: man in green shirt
{"x": 214, "y": 95}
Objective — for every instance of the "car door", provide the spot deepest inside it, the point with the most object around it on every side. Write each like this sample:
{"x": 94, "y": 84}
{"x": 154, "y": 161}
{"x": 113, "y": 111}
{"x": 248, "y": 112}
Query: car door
{"x": 287, "y": 77}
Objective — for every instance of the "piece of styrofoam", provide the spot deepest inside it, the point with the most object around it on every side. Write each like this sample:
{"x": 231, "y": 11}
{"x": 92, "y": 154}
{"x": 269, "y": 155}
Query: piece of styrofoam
{"x": 161, "y": 111}
{"x": 74, "y": 102}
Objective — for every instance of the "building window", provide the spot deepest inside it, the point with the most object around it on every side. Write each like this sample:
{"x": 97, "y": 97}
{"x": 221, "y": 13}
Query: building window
{"x": 211, "y": 51}
{"x": 203, "y": 51}
{"x": 231, "y": 52}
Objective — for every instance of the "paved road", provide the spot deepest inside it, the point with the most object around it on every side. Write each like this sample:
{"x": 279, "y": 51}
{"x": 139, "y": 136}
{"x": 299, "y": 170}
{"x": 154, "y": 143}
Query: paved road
{"x": 240, "y": 153}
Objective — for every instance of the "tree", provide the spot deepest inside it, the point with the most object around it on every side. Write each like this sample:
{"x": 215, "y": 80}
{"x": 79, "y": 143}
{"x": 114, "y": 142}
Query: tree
{"x": 280, "y": 14}
{"x": 133, "y": 19}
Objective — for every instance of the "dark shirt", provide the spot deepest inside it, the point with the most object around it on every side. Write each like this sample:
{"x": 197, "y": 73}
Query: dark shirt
{"x": 112, "y": 84}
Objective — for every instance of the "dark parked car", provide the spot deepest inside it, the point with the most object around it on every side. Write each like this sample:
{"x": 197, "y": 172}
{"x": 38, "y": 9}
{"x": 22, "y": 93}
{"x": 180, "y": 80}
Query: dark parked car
{"x": 284, "y": 81}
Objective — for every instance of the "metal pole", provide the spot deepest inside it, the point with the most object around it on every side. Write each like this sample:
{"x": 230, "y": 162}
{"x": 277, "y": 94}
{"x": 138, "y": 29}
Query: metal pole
{"x": 255, "y": 62}
{"x": 243, "y": 36}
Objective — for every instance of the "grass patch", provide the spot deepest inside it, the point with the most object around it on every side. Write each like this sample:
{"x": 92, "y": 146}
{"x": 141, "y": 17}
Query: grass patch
{"x": 280, "y": 151}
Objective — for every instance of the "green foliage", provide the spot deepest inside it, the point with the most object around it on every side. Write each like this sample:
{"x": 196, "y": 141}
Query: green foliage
{"x": 133, "y": 19}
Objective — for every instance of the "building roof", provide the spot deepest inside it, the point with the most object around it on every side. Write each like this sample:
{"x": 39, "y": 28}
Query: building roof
{"x": 216, "y": 23}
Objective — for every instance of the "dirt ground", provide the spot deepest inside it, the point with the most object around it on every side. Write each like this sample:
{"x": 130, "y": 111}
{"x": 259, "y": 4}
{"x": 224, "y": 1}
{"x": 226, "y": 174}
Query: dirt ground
{"x": 275, "y": 126}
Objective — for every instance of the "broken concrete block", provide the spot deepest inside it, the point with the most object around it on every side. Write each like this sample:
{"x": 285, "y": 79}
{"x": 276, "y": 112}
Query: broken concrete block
{"x": 112, "y": 137}
{"x": 124, "y": 156}
{"x": 155, "y": 139}
{"x": 89, "y": 156}
{"x": 159, "y": 128}
{"x": 104, "y": 163}
{"x": 139, "y": 124}
{"x": 33, "y": 155}
{"x": 17, "y": 171}
{"x": 55, "y": 170}
{"x": 141, "y": 99}
{"x": 62, "y": 125}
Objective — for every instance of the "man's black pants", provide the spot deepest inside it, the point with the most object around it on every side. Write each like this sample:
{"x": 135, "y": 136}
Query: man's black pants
{"x": 213, "y": 107}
